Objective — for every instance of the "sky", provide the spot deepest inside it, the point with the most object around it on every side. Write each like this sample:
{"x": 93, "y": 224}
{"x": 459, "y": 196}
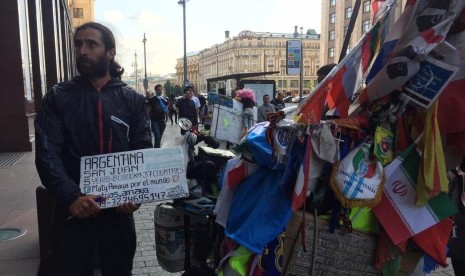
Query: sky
{"x": 206, "y": 22}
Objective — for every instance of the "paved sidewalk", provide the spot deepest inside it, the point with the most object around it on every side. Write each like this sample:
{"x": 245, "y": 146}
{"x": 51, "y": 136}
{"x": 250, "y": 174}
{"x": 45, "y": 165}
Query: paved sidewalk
{"x": 145, "y": 261}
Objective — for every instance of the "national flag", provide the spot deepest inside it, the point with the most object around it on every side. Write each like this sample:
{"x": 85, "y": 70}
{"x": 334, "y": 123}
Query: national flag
{"x": 311, "y": 109}
{"x": 433, "y": 173}
{"x": 238, "y": 173}
{"x": 391, "y": 40}
{"x": 418, "y": 37}
{"x": 433, "y": 241}
{"x": 301, "y": 185}
{"x": 347, "y": 76}
{"x": 397, "y": 212}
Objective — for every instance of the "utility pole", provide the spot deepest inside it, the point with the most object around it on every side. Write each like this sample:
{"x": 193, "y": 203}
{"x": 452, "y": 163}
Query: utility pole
{"x": 146, "y": 81}
{"x": 183, "y": 3}
{"x": 135, "y": 68}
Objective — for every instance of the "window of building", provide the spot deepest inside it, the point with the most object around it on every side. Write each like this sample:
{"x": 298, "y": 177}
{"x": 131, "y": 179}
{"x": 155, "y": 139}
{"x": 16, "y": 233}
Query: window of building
{"x": 270, "y": 63}
{"x": 282, "y": 63}
{"x": 78, "y": 13}
{"x": 332, "y": 18}
{"x": 294, "y": 83}
{"x": 331, "y": 52}
{"x": 365, "y": 26}
{"x": 282, "y": 84}
{"x": 332, "y": 35}
{"x": 332, "y": 3}
{"x": 348, "y": 12}
{"x": 346, "y": 28}
{"x": 308, "y": 84}
{"x": 366, "y": 6}
{"x": 349, "y": 48}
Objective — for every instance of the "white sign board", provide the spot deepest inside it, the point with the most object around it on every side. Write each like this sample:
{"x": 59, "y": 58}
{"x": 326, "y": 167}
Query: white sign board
{"x": 260, "y": 90}
{"x": 293, "y": 57}
{"x": 139, "y": 176}
{"x": 227, "y": 122}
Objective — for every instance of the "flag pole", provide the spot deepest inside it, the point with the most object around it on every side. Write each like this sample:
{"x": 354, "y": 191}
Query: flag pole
{"x": 350, "y": 29}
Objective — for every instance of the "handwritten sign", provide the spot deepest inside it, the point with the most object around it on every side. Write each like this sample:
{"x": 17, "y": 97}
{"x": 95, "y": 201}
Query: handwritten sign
{"x": 139, "y": 176}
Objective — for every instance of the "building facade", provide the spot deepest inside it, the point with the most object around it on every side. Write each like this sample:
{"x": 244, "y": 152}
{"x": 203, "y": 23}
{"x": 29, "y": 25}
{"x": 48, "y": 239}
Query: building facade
{"x": 37, "y": 56}
{"x": 335, "y": 18}
{"x": 251, "y": 52}
{"x": 81, "y": 11}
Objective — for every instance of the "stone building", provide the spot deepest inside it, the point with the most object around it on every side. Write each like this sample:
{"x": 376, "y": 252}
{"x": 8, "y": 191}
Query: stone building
{"x": 335, "y": 18}
{"x": 251, "y": 52}
{"x": 81, "y": 11}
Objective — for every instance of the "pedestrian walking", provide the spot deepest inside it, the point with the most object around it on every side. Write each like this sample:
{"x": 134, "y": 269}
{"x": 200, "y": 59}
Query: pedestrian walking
{"x": 173, "y": 111}
{"x": 186, "y": 108}
{"x": 158, "y": 110}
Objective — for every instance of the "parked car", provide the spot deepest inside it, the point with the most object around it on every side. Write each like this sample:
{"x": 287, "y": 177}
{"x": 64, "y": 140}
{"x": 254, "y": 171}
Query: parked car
{"x": 287, "y": 99}
{"x": 297, "y": 99}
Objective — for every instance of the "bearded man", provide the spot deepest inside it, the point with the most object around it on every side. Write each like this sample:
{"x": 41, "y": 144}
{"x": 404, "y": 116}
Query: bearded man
{"x": 94, "y": 113}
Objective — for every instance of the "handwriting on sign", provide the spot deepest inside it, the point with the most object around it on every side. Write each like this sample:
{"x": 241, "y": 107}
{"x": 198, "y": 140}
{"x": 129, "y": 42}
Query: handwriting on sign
{"x": 137, "y": 176}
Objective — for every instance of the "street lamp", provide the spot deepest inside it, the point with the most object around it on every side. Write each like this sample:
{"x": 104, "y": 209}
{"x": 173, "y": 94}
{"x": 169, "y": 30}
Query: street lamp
{"x": 183, "y": 3}
{"x": 146, "y": 82}
{"x": 135, "y": 68}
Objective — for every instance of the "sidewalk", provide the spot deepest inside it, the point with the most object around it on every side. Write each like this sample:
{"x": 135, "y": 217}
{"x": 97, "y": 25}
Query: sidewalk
{"x": 20, "y": 257}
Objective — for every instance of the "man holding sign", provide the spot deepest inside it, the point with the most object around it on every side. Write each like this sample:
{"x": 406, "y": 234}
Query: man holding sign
{"x": 95, "y": 113}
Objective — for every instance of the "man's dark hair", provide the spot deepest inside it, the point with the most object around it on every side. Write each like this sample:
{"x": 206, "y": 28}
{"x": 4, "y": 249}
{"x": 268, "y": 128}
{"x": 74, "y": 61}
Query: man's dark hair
{"x": 325, "y": 69}
{"x": 158, "y": 85}
{"x": 266, "y": 95}
{"x": 116, "y": 71}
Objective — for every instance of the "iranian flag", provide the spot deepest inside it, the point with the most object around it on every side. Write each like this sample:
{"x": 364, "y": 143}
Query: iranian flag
{"x": 397, "y": 212}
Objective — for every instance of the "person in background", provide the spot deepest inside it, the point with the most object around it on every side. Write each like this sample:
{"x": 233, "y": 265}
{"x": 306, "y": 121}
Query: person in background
{"x": 203, "y": 109}
{"x": 324, "y": 71}
{"x": 186, "y": 108}
{"x": 233, "y": 96}
{"x": 95, "y": 113}
{"x": 278, "y": 102}
{"x": 173, "y": 110}
{"x": 195, "y": 99}
{"x": 247, "y": 115}
{"x": 158, "y": 110}
{"x": 264, "y": 109}
{"x": 247, "y": 98}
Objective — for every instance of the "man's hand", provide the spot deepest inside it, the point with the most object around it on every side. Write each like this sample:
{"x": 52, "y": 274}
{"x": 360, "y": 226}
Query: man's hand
{"x": 84, "y": 206}
{"x": 127, "y": 208}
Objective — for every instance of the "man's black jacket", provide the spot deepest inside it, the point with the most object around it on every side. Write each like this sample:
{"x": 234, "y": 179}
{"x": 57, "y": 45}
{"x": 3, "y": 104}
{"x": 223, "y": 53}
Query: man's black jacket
{"x": 76, "y": 120}
{"x": 187, "y": 110}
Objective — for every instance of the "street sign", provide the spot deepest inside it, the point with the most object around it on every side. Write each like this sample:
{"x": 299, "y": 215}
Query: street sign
{"x": 293, "y": 57}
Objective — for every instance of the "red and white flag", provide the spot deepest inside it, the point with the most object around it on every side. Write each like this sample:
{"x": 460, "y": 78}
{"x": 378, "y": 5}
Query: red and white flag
{"x": 397, "y": 212}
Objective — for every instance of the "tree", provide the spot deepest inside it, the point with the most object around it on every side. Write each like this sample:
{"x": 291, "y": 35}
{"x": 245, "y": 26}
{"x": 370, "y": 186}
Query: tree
{"x": 172, "y": 89}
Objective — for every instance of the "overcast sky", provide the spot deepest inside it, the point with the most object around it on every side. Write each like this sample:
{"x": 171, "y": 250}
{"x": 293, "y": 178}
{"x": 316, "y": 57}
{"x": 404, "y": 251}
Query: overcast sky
{"x": 206, "y": 21}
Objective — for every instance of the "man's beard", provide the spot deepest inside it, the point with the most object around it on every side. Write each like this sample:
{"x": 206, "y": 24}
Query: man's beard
{"x": 90, "y": 69}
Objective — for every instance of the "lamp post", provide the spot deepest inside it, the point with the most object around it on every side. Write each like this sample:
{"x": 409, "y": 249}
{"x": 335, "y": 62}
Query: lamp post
{"x": 183, "y": 3}
{"x": 146, "y": 82}
{"x": 135, "y": 68}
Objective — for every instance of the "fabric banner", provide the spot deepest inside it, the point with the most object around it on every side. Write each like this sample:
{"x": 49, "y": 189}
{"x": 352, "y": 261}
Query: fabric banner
{"x": 397, "y": 212}
{"x": 419, "y": 37}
